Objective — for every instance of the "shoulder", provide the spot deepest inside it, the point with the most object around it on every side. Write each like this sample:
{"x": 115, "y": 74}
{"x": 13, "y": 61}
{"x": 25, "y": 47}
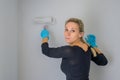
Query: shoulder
{"x": 67, "y": 48}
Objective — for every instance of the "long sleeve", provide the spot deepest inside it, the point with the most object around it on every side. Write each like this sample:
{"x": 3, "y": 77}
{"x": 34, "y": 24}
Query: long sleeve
{"x": 58, "y": 52}
{"x": 100, "y": 59}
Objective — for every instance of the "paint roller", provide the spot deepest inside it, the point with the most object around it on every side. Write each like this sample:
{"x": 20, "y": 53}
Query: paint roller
{"x": 44, "y": 20}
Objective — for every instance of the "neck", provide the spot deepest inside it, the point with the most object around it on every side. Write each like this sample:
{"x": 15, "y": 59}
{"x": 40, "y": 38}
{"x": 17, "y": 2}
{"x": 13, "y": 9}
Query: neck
{"x": 76, "y": 43}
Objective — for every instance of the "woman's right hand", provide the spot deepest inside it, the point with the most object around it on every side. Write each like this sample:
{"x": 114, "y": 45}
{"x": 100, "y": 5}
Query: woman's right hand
{"x": 44, "y": 33}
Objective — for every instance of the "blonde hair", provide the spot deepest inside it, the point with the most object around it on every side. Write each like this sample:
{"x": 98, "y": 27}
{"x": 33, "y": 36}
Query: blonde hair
{"x": 80, "y": 23}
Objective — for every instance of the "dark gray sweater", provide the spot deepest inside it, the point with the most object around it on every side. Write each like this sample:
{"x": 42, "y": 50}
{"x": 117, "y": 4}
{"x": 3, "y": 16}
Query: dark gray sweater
{"x": 75, "y": 61}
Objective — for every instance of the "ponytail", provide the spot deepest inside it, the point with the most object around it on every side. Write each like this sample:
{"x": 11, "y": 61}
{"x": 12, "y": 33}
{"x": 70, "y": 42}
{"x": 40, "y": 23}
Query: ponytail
{"x": 92, "y": 50}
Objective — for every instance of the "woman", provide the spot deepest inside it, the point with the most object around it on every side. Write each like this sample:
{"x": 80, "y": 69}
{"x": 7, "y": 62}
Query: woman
{"x": 77, "y": 55}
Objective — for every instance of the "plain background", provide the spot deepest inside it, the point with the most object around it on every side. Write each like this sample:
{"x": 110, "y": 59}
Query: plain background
{"x": 20, "y": 44}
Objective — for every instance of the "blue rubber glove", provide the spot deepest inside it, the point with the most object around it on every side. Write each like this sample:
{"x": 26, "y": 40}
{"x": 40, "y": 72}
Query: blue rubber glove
{"x": 44, "y": 34}
{"x": 91, "y": 40}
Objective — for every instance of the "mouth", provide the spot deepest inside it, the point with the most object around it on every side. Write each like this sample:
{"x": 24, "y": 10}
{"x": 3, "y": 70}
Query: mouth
{"x": 67, "y": 38}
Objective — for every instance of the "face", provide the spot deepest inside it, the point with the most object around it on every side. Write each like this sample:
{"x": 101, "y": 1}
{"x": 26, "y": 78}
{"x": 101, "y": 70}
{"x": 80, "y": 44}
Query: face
{"x": 71, "y": 33}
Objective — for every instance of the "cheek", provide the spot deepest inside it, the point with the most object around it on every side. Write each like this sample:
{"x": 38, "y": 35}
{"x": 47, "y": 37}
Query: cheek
{"x": 64, "y": 33}
{"x": 75, "y": 36}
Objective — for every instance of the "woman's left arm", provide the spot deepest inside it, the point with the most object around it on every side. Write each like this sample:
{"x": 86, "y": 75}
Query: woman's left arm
{"x": 100, "y": 59}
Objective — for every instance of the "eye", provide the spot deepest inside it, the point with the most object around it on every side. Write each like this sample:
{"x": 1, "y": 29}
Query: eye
{"x": 66, "y": 29}
{"x": 72, "y": 30}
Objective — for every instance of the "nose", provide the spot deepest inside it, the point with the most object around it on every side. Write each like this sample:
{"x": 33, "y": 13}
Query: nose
{"x": 67, "y": 33}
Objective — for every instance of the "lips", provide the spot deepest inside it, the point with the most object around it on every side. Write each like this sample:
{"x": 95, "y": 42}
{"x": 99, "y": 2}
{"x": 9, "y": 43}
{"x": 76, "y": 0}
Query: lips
{"x": 67, "y": 38}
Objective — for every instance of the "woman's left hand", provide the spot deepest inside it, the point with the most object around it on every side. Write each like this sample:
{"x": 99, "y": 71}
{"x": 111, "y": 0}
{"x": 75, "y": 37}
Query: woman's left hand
{"x": 91, "y": 40}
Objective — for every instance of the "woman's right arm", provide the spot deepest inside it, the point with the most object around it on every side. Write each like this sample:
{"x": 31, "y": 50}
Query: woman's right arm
{"x": 59, "y": 52}
{"x": 45, "y": 40}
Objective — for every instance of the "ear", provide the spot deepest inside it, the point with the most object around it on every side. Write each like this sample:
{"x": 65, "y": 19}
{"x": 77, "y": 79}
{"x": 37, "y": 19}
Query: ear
{"x": 81, "y": 34}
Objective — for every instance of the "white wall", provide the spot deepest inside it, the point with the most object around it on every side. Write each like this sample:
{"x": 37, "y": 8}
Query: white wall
{"x": 8, "y": 40}
{"x": 100, "y": 17}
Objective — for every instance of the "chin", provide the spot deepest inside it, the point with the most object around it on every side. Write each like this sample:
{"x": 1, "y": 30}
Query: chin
{"x": 69, "y": 42}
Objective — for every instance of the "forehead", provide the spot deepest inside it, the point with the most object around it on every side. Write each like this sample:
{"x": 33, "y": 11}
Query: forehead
{"x": 72, "y": 25}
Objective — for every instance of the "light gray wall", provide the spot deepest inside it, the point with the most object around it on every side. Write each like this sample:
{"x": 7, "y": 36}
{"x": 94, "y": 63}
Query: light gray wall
{"x": 8, "y": 40}
{"x": 101, "y": 17}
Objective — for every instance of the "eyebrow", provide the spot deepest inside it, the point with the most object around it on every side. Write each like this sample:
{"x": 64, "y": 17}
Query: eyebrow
{"x": 71, "y": 28}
